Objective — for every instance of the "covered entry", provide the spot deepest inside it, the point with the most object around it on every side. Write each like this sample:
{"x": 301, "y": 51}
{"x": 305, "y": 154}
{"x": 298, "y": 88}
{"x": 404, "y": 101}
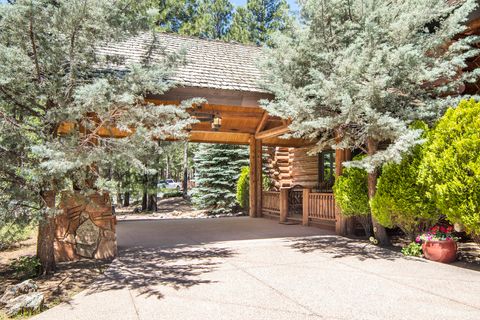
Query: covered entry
{"x": 226, "y": 76}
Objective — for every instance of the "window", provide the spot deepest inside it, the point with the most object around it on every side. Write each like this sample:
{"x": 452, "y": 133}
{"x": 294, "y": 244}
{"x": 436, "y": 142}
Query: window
{"x": 326, "y": 170}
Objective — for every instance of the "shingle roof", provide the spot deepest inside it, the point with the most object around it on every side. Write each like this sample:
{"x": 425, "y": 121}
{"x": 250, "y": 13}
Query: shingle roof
{"x": 209, "y": 63}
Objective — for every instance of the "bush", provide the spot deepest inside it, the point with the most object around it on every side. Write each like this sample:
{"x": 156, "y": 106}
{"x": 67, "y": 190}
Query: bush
{"x": 243, "y": 187}
{"x": 26, "y": 267}
{"x": 400, "y": 199}
{"x": 413, "y": 249}
{"x": 169, "y": 193}
{"x": 351, "y": 195}
{"x": 451, "y": 166}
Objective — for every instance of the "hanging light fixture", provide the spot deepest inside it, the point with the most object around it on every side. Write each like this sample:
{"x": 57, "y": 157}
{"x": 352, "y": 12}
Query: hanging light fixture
{"x": 216, "y": 123}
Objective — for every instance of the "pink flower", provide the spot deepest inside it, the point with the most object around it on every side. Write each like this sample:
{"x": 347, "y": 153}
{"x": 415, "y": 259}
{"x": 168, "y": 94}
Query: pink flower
{"x": 418, "y": 239}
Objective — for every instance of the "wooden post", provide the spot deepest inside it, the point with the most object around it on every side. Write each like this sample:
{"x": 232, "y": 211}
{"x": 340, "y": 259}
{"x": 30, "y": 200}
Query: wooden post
{"x": 255, "y": 177}
{"x": 306, "y": 194}
{"x": 259, "y": 179}
{"x": 340, "y": 225}
{"x": 283, "y": 205}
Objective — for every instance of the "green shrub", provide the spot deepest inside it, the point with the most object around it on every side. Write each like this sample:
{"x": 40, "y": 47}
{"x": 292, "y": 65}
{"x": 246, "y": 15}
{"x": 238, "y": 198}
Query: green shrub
{"x": 413, "y": 249}
{"x": 351, "y": 195}
{"x": 400, "y": 199}
{"x": 243, "y": 187}
{"x": 169, "y": 193}
{"x": 451, "y": 165}
{"x": 26, "y": 267}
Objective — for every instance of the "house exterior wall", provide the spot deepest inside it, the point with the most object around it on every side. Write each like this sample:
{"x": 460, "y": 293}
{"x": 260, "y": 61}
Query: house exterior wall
{"x": 288, "y": 167}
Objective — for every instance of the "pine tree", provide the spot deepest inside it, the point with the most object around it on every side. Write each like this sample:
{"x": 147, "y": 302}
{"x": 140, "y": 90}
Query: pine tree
{"x": 51, "y": 74}
{"x": 217, "y": 170}
{"x": 258, "y": 20}
{"x": 358, "y": 72}
{"x": 211, "y": 20}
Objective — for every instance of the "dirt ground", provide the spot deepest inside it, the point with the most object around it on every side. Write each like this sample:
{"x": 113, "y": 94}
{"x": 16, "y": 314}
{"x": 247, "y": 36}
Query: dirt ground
{"x": 170, "y": 208}
{"x": 69, "y": 279}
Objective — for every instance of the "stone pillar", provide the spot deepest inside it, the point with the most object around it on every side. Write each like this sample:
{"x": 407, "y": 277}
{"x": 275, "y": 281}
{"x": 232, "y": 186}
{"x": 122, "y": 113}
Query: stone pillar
{"x": 86, "y": 228}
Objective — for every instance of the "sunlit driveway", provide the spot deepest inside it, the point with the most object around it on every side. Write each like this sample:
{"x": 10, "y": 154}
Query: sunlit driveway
{"x": 242, "y": 268}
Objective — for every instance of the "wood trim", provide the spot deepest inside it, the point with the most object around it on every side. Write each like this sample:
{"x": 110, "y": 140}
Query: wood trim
{"x": 262, "y": 122}
{"x": 270, "y": 133}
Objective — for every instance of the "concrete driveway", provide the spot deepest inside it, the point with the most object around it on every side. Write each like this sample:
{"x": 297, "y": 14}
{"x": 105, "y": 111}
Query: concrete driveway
{"x": 242, "y": 268}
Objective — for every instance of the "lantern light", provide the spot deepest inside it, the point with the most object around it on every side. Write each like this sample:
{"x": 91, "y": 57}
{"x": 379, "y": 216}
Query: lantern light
{"x": 217, "y": 123}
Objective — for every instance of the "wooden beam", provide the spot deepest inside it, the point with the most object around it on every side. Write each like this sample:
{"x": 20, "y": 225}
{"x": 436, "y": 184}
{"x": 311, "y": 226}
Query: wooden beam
{"x": 262, "y": 122}
{"x": 270, "y": 133}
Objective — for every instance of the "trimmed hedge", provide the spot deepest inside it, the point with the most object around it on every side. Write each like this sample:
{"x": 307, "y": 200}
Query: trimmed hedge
{"x": 400, "y": 199}
{"x": 451, "y": 165}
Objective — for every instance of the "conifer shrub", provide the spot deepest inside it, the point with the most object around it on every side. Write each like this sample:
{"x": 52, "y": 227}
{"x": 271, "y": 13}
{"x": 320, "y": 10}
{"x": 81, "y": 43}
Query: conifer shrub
{"x": 401, "y": 200}
{"x": 451, "y": 165}
{"x": 218, "y": 167}
{"x": 351, "y": 195}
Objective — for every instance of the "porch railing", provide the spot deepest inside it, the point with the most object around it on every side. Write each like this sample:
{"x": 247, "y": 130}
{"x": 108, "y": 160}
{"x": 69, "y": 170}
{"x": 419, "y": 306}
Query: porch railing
{"x": 320, "y": 206}
{"x": 271, "y": 202}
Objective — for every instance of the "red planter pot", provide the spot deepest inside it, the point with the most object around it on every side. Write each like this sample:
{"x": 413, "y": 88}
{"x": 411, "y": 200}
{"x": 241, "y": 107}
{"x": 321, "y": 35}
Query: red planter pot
{"x": 441, "y": 251}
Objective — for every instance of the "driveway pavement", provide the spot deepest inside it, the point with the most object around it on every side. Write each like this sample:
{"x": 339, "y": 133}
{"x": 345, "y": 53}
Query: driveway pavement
{"x": 242, "y": 268}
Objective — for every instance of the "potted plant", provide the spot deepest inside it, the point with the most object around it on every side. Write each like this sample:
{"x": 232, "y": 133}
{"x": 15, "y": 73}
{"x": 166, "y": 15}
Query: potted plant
{"x": 439, "y": 244}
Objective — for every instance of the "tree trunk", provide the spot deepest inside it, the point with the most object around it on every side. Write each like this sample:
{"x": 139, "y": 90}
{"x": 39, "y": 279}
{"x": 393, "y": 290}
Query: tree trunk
{"x": 145, "y": 193}
{"x": 167, "y": 169}
{"x": 185, "y": 170}
{"x": 152, "y": 196}
{"x": 46, "y": 236}
{"x": 126, "y": 199}
{"x": 119, "y": 199}
{"x": 379, "y": 231}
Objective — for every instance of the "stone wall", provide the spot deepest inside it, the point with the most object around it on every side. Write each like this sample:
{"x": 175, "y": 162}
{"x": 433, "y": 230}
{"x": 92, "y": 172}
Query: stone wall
{"x": 86, "y": 228}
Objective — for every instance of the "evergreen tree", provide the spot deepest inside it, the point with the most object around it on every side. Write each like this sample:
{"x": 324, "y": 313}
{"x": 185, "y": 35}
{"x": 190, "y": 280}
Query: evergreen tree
{"x": 51, "y": 75}
{"x": 358, "y": 72}
{"x": 211, "y": 20}
{"x": 256, "y": 22}
{"x": 217, "y": 170}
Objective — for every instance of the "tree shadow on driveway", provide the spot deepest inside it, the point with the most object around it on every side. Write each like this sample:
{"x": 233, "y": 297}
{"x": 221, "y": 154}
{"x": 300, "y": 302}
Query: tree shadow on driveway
{"x": 147, "y": 269}
{"x": 340, "y": 247}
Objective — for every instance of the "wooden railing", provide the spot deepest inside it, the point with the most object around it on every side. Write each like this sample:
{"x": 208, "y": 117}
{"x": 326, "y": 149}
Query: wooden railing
{"x": 271, "y": 202}
{"x": 320, "y": 206}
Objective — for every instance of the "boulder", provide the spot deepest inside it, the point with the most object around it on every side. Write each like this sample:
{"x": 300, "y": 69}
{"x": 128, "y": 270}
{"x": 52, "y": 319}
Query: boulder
{"x": 16, "y": 290}
{"x": 29, "y": 303}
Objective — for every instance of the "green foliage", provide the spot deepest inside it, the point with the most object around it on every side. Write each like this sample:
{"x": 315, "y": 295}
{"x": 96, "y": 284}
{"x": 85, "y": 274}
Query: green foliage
{"x": 14, "y": 231}
{"x": 26, "y": 267}
{"x": 351, "y": 192}
{"x": 361, "y": 68}
{"x": 413, "y": 249}
{"x": 169, "y": 193}
{"x": 451, "y": 165}
{"x": 259, "y": 20}
{"x": 400, "y": 199}
{"x": 51, "y": 72}
{"x": 243, "y": 187}
{"x": 217, "y": 170}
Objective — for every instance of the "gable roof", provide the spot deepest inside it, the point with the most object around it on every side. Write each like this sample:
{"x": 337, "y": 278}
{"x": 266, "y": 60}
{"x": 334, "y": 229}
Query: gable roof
{"x": 209, "y": 63}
